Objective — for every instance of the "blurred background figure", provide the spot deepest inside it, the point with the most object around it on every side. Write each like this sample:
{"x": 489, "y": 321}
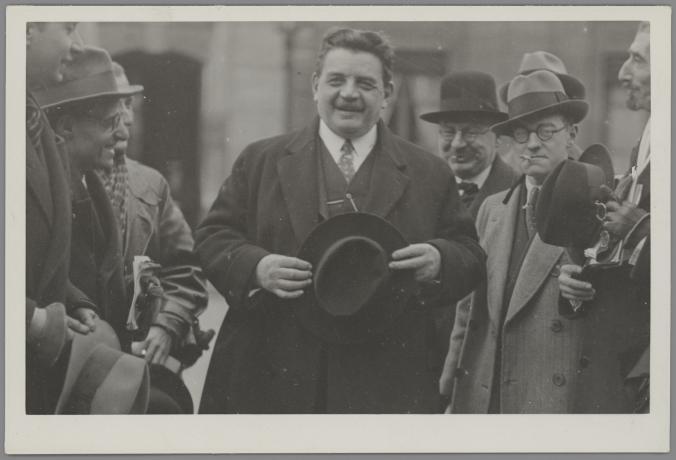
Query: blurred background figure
{"x": 49, "y": 46}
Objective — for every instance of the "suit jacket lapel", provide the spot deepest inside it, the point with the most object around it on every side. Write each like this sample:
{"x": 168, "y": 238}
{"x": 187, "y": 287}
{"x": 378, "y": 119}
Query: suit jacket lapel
{"x": 388, "y": 179}
{"x": 300, "y": 195}
{"x": 536, "y": 267}
{"x": 497, "y": 242}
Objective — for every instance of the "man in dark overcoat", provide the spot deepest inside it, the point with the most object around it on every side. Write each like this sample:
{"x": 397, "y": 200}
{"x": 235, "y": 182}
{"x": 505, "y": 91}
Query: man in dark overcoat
{"x": 279, "y": 190}
{"x": 48, "y": 229}
{"x": 620, "y": 298}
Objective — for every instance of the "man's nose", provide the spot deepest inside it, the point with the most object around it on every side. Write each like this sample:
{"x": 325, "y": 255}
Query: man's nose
{"x": 623, "y": 74}
{"x": 533, "y": 142}
{"x": 121, "y": 132}
{"x": 77, "y": 46}
{"x": 458, "y": 140}
{"x": 348, "y": 90}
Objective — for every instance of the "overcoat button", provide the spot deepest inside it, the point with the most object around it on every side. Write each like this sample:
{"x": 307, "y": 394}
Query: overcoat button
{"x": 556, "y": 271}
{"x": 460, "y": 373}
{"x": 559, "y": 380}
{"x": 556, "y": 326}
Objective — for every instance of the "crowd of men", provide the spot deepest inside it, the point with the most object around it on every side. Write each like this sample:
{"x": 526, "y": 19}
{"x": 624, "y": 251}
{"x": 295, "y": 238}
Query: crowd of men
{"x": 362, "y": 273}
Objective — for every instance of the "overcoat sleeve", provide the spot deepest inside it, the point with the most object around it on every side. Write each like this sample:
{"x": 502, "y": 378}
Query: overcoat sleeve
{"x": 463, "y": 262}
{"x": 223, "y": 239}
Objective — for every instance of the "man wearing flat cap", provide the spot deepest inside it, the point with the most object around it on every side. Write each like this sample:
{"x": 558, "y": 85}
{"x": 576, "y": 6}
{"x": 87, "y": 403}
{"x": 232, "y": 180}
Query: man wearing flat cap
{"x": 265, "y": 359}
{"x": 468, "y": 107}
{"x": 519, "y": 354}
{"x": 623, "y": 293}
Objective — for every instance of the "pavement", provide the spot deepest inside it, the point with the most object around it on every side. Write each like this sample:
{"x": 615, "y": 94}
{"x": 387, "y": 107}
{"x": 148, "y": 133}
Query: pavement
{"x": 212, "y": 318}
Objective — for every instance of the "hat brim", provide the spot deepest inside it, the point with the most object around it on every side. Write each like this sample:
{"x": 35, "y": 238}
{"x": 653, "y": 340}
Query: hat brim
{"x": 573, "y": 87}
{"x": 58, "y": 102}
{"x": 575, "y": 109}
{"x": 390, "y": 301}
{"x": 463, "y": 115}
{"x": 168, "y": 392}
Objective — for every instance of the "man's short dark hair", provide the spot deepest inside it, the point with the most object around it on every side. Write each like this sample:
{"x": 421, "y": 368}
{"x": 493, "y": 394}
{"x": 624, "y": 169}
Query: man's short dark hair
{"x": 359, "y": 40}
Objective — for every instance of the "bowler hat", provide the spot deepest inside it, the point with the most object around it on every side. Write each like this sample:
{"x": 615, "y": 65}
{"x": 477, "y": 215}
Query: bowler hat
{"x": 101, "y": 379}
{"x": 539, "y": 93}
{"x": 354, "y": 295}
{"x": 464, "y": 95}
{"x": 89, "y": 75}
{"x": 568, "y": 207}
{"x": 542, "y": 60}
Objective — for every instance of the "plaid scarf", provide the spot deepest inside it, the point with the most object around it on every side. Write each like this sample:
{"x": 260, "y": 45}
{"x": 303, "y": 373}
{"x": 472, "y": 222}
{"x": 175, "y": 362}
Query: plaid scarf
{"x": 115, "y": 183}
{"x": 34, "y": 122}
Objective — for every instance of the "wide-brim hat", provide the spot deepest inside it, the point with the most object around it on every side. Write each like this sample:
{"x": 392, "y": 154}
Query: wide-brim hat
{"x": 101, "y": 379}
{"x": 568, "y": 213}
{"x": 89, "y": 75}
{"x": 354, "y": 295}
{"x": 168, "y": 392}
{"x": 542, "y": 60}
{"x": 467, "y": 95}
{"x": 539, "y": 93}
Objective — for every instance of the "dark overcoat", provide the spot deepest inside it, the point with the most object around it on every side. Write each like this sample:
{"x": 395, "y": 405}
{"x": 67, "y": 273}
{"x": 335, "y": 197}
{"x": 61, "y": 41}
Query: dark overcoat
{"x": 48, "y": 230}
{"x": 264, "y": 361}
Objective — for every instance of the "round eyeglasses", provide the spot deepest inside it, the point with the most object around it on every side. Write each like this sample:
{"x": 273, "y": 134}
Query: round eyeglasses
{"x": 109, "y": 123}
{"x": 469, "y": 133}
{"x": 544, "y": 132}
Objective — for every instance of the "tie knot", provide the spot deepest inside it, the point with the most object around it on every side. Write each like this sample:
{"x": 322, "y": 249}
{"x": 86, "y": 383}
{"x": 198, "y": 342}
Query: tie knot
{"x": 468, "y": 188}
{"x": 347, "y": 147}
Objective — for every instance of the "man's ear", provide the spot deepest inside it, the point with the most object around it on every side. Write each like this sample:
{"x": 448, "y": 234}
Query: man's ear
{"x": 315, "y": 84}
{"x": 389, "y": 92}
{"x": 574, "y": 129}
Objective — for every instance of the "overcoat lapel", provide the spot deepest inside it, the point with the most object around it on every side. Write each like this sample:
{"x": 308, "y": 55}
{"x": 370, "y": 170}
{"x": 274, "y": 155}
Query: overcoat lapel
{"x": 301, "y": 197}
{"x": 499, "y": 234}
{"x": 138, "y": 222}
{"x": 499, "y": 179}
{"x": 388, "y": 180}
{"x": 535, "y": 269}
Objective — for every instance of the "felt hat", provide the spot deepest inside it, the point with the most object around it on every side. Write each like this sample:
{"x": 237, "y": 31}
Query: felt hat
{"x": 539, "y": 93}
{"x": 354, "y": 295}
{"x": 466, "y": 95}
{"x": 123, "y": 82}
{"x": 101, "y": 379}
{"x": 542, "y": 60}
{"x": 89, "y": 75}
{"x": 568, "y": 212}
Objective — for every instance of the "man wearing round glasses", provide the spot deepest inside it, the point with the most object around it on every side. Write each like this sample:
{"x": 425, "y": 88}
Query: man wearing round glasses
{"x": 87, "y": 117}
{"x": 519, "y": 354}
{"x": 468, "y": 108}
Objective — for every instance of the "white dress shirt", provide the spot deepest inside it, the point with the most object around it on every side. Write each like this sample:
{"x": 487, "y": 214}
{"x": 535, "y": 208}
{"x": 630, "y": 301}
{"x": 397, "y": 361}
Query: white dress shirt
{"x": 479, "y": 179}
{"x": 362, "y": 145}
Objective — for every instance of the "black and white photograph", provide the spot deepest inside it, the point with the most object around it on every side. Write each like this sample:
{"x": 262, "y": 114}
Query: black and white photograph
{"x": 251, "y": 222}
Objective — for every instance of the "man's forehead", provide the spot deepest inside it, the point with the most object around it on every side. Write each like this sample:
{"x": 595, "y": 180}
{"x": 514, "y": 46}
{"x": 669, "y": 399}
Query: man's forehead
{"x": 641, "y": 45}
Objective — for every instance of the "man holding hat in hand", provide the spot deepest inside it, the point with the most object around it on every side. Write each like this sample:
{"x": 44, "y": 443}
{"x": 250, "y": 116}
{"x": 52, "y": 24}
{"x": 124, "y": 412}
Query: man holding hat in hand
{"x": 289, "y": 343}
{"x": 519, "y": 354}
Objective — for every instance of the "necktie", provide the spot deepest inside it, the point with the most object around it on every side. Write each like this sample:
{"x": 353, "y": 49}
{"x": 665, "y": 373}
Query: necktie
{"x": 469, "y": 191}
{"x": 530, "y": 211}
{"x": 346, "y": 162}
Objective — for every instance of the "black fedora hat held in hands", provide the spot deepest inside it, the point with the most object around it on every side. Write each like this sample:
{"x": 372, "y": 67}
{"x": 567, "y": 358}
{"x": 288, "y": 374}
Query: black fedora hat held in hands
{"x": 354, "y": 295}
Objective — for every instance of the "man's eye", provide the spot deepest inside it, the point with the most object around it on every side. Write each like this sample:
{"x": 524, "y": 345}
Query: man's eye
{"x": 367, "y": 85}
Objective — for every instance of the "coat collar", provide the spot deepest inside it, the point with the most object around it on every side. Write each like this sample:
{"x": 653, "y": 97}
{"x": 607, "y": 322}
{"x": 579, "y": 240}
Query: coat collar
{"x": 300, "y": 160}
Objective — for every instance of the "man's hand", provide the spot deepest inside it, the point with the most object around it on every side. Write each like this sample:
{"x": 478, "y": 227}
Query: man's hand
{"x": 621, "y": 218}
{"x": 573, "y": 289}
{"x": 83, "y": 320}
{"x": 284, "y": 276}
{"x": 156, "y": 347}
{"x": 424, "y": 258}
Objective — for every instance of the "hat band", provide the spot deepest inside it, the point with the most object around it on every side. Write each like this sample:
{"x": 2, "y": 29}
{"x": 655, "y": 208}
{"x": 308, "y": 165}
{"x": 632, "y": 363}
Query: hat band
{"x": 530, "y": 102}
{"x": 464, "y": 104}
{"x": 82, "y": 88}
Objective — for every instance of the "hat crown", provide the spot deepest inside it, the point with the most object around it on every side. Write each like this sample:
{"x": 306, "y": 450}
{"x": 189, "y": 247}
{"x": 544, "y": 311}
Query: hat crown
{"x": 469, "y": 89}
{"x": 91, "y": 61}
{"x": 120, "y": 76}
{"x": 541, "y": 60}
{"x": 540, "y": 81}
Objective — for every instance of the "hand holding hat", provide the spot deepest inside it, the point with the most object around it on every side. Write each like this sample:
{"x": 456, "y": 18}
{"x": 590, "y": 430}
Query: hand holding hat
{"x": 423, "y": 258}
{"x": 284, "y": 276}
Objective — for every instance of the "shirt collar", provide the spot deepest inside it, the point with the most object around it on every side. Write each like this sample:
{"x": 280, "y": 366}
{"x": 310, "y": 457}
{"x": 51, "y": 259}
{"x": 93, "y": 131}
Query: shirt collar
{"x": 333, "y": 142}
{"x": 479, "y": 179}
{"x": 643, "y": 157}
